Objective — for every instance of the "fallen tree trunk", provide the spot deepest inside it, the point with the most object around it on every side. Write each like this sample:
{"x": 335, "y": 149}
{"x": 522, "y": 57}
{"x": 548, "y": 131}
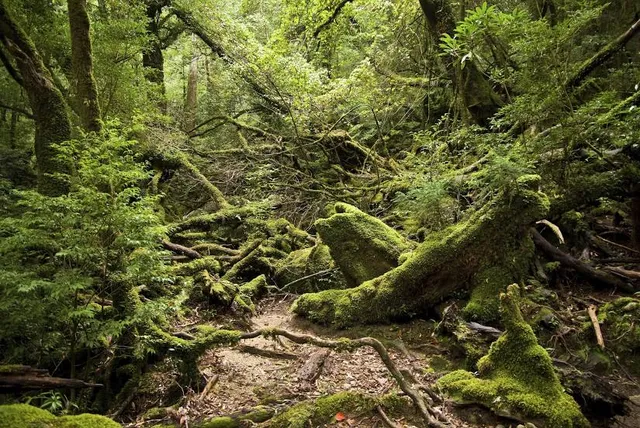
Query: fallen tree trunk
{"x": 598, "y": 277}
{"x": 487, "y": 252}
{"x": 181, "y": 249}
{"x": 15, "y": 378}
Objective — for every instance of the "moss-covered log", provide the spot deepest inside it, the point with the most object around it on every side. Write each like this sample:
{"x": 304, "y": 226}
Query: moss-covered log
{"x": 362, "y": 246}
{"x": 517, "y": 378}
{"x": 494, "y": 237}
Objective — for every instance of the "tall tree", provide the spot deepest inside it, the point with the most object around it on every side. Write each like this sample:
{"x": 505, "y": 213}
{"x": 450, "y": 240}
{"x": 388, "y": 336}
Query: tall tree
{"x": 82, "y": 63}
{"x": 191, "y": 101}
{"x": 47, "y": 103}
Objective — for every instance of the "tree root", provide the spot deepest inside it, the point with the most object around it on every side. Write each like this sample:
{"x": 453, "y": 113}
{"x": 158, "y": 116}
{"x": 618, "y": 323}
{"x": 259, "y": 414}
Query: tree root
{"x": 426, "y": 411}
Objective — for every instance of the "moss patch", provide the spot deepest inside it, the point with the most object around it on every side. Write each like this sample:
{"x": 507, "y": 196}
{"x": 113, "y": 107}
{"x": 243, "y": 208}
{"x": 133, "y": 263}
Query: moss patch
{"x": 25, "y": 416}
{"x": 322, "y": 411}
{"x": 621, "y": 330}
{"x": 516, "y": 378}
{"x": 306, "y": 262}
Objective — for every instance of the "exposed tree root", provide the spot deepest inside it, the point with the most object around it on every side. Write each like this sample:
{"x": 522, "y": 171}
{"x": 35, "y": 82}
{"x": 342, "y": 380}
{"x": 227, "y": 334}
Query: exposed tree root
{"x": 426, "y": 411}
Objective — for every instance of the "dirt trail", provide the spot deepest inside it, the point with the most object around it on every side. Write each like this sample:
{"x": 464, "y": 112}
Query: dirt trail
{"x": 243, "y": 380}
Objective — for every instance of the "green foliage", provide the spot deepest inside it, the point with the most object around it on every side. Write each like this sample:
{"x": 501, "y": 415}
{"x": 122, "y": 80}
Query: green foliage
{"x": 430, "y": 204}
{"x": 68, "y": 262}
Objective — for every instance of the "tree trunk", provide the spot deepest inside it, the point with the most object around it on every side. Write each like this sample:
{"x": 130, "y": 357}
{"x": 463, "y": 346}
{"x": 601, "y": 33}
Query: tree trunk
{"x": 635, "y": 215}
{"x": 191, "y": 101}
{"x": 152, "y": 56}
{"x": 474, "y": 97}
{"x": 86, "y": 93}
{"x": 48, "y": 105}
{"x": 12, "y": 130}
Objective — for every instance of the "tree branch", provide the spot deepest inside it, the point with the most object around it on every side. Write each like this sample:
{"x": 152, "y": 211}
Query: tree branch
{"x": 602, "y": 56}
{"x": 332, "y": 18}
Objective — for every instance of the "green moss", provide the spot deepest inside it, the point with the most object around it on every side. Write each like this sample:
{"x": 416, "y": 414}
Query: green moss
{"x": 441, "y": 265}
{"x": 484, "y": 304}
{"x": 322, "y": 411}
{"x": 206, "y": 263}
{"x": 307, "y": 262}
{"x": 516, "y": 378}
{"x": 221, "y": 422}
{"x": 25, "y": 416}
{"x": 621, "y": 329}
{"x": 362, "y": 246}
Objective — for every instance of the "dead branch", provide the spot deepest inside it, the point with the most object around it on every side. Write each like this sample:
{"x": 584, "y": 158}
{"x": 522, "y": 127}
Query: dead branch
{"x": 210, "y": 384}
{"x": 210, "y": 248}
{"x": 388, "y": 422}
{"x": 596, "y": 325}
{"x": 597, "y": 276}
{"x": 14, "y": 378}
{"x": 17, "y": 110}
{"x": 429, "y": 414}
{"x": 631, "y": 274}
{"x": 181, "y": 249}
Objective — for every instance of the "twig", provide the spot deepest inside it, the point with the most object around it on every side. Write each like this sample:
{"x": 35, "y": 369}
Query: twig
{"x": 210, "y": 384}
{"x": 615, "y": 244}
{"x": 388, "y": 422}
{"x": 596, "y": 325}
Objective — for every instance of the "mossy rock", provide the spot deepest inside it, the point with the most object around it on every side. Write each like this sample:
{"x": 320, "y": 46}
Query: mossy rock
{"x": 516, "y": 378}
{"x": 25, "y": 416}
{"x": 306, "y": 262}
{"x": 362, "y": 245}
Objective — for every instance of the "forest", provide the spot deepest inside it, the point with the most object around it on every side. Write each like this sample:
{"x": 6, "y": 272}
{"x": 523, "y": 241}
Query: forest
{"x": 308, "y": 213}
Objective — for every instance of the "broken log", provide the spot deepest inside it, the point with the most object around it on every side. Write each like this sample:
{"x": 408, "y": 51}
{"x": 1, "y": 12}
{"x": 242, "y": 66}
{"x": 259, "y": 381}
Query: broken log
{"x": 486, "y": 253}
{"x": 16, "y": 378}
{"x": 181, "y": 249}
{"x": 598, "y": 277}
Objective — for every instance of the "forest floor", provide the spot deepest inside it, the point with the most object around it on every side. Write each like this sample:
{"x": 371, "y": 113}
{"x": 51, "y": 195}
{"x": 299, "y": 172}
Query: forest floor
{"x": 281, "y": 373}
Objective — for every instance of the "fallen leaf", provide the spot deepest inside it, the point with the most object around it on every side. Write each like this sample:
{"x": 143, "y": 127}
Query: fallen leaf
{"x": 340, "y": 417}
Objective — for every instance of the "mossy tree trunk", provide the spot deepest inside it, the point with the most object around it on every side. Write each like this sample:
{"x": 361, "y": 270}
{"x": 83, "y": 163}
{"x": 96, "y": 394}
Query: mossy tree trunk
{"x": 152, "y": 56}
{"x": 86, "y": 93}
{"x": 47, "y": 103}
{"x": 485, "y": 253}
{"x": 474, "y": 97}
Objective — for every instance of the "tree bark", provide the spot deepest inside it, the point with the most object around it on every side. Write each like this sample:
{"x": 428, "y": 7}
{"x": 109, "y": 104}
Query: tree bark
{"x": 86, "y": 93}
{"x": 47, "y": 103}
{"x": 191, "y": 101}
{"x": 152, "y": 56}
{"x": 474, "y": 96}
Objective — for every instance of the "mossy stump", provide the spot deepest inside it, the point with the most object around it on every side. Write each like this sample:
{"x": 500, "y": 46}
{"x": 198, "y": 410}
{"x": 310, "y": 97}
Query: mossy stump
{"x": 516, "y": 378}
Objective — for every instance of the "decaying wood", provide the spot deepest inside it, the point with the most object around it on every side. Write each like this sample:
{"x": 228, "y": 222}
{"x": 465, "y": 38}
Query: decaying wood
{"x": 599, "y": 277}
{"x": 431, "y": 416}
{"x": 312, "y": 368}
{"x": 210, "y": 248}
{"x": 14, "y": 378}
{"x": 631, "y": 274}
{"x": 592, "y": 310}
{"x": 181, "y": 249}
{"x": 210, "y": 384}
{"x": 267, "y": 353}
